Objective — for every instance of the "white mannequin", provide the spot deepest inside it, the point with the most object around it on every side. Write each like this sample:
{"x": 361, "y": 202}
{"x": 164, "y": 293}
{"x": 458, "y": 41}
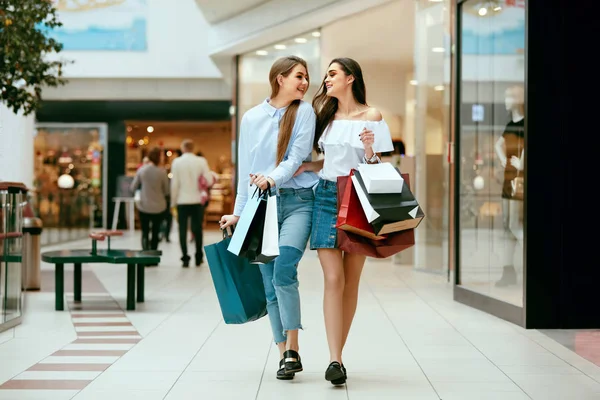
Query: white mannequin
{"x": 513, "y": 102}
{"x": 512, "y": 210}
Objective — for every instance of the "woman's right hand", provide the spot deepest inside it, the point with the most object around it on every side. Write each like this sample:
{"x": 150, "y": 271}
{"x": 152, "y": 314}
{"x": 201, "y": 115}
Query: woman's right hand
{"x": 303, "y": 168}
{"x": 228, "y": 220}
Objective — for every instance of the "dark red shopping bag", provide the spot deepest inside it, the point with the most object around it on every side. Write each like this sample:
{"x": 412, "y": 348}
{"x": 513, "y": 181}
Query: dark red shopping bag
{"x": 351, "y": 216}
{"x": 394, "y": 243}
{"x": 352, "y": 242}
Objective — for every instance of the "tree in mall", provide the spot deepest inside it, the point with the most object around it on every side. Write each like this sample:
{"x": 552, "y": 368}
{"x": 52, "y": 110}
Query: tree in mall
{"x": 25, "y": 67}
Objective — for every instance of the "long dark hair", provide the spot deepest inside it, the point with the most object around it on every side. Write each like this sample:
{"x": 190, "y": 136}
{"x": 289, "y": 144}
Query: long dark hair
{"x": 326, "y": 106}
{"x": 284, "y": 67}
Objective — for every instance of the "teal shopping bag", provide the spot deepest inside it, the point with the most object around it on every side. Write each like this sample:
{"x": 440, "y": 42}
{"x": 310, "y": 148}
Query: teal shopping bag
{"x": 238, "y": 284}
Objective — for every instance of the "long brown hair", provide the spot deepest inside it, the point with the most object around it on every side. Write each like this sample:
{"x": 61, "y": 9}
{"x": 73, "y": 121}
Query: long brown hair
{"x": 326, "y": 106}
{"x": 284, "y": 67}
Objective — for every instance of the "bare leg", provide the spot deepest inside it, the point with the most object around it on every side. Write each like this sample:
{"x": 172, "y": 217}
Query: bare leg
{"x": 292, "y": 340}
{"x": 333, "y": 272}
{"x": 353, "y": 266}
{"x": 281, "y": 347}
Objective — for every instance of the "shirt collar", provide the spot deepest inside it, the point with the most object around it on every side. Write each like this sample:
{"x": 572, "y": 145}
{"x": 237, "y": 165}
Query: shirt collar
{"x": 269, "y": 109}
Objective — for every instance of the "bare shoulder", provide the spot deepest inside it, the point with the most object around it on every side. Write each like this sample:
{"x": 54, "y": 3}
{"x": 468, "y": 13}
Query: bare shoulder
{"x": 373, "y": 114}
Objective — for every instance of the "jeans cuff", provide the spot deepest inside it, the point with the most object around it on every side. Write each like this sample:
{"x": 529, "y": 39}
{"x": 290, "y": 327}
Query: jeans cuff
{"x": 292, "y": 329}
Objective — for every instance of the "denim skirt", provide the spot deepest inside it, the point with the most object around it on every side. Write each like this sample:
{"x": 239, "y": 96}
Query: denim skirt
{"x": 324, "y": 218}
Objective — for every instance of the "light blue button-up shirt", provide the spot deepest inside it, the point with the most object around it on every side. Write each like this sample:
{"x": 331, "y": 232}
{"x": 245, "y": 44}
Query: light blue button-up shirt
{"x": 257, "y": 154}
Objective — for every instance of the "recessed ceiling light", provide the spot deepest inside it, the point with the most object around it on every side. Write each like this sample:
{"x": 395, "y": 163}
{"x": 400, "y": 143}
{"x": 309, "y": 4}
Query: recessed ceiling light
{"x": 262, "y": 53}
{"x": 414, "y": 82}
{"x": 280, "y": 46}
{"x": 497, "y": 8}
{"x": 482, "y": 11}
{"x": 316, "y": 34}
{"x": 300, "y": 40}
{"x": 150, "y": 129}
{"x": 439, "y": 88}
{"x": 438, "y": 49}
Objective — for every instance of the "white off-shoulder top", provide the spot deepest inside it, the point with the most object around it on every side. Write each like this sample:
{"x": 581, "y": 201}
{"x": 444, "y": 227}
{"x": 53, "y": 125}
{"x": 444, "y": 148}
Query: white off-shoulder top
{"x": 343, "y": 149}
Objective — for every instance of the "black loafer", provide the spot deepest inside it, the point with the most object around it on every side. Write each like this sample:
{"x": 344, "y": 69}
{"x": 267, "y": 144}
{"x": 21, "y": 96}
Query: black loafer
{"x": 281, "y": 375}
{"x": 292, "y": 360}
{"x": 335, "y": 374}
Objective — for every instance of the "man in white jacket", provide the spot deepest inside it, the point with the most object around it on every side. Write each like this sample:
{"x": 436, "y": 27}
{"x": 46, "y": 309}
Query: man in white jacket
{"x": 189, "y": 185}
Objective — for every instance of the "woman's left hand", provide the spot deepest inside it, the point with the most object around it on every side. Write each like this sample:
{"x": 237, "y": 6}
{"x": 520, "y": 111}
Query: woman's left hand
{"x": 367, "y": 137}
{"x": 261, "y": 181}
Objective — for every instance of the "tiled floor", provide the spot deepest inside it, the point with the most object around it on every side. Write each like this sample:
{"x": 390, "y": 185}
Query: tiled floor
{"x": 410, "y": 340}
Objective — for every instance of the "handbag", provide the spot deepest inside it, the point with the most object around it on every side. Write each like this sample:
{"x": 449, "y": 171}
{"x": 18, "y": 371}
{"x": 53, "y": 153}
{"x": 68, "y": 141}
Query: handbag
{"x": 238, "y": 284}
{"x": 394, "y": 243}
{"x": 395, "y": 211}
{"x": 351, "y": 216}
{"x": 269, "y": 241}
{"x": 247, "y": 237}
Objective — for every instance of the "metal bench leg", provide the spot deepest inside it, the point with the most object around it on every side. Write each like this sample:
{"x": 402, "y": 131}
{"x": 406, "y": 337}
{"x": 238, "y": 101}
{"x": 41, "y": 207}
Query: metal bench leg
{"x": 131, "y": 286}
{"x": 141, "y": 269}
{"x": 77, "y": 282}
{"x": 59, "y": 287}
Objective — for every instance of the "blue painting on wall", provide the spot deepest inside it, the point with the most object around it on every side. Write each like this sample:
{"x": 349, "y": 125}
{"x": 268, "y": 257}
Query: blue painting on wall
{"x": 102, "y": 25}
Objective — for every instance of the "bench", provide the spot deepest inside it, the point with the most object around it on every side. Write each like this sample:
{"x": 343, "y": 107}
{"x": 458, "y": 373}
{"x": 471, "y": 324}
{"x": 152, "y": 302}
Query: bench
{"x": 135, "y": 260}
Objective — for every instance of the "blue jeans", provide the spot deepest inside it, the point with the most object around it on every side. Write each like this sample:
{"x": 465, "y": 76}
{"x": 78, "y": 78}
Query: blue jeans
{"x": 280, "y": 276}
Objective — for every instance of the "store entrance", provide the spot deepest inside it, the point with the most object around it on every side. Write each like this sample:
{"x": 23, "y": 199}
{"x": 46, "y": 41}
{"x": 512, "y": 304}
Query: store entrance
{"x": 212, "y": 140}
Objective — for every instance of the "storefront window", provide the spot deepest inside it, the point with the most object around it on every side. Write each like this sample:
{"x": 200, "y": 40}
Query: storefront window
{"x": 491, "y": 139}
{"x": 69, "y": 180}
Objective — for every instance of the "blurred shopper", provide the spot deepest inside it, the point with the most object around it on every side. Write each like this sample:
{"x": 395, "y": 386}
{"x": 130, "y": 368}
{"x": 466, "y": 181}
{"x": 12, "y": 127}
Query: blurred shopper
{"x": 275, "y": 138}
{"x": 153, "y": 183}
{"x": 342, "y": 116}
{"x": 188, "y": 174}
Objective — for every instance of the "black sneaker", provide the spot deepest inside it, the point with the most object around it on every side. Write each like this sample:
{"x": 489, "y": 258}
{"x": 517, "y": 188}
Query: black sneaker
{"x": 185, "y": 261}
{"x": 335, "y": 374}
{"x": 281, "y": 375}
{"x": 292, "y": 360}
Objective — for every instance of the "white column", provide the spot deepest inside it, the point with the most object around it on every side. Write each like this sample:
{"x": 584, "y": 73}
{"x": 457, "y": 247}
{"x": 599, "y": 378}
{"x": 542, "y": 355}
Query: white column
{"x": 16, "y": 146}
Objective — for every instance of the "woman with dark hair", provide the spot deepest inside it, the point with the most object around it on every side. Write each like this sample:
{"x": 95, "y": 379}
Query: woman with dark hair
{"x": 348, "y": 132}
{"x": 154, "y": 189}
{"x": 276, "y": 136}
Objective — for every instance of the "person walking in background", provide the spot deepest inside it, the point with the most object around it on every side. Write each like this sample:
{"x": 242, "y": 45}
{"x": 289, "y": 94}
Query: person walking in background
{"x": 275, "y": 138}
{"x": 342, "y": 116}
{"x": 153, "y": 183}
{"x": 189, "y": 173}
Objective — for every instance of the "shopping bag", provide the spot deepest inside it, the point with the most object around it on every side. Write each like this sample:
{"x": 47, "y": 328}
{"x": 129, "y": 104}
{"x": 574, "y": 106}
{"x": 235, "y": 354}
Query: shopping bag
{"x": 394, "y": 243}
{"x": 269, "y": 242}
{"x": 350, "y": 214}
{"x": 238, "y": 284}
{"x": 390, "y": 212}
{"x": 245, "y": 241}
{"x": 381, "y": 178}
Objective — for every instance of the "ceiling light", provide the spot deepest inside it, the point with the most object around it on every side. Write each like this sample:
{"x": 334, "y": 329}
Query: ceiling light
{"x": 482, "y": 11}
{"x": 150, "y": 129}
{"x": 438, "y": 49}
{"x": 497, "y": 8}
{"x": 300, "y": 40}
{"x": 280, "y": 46}
{"x": 439, "y": 88}
{"x": 414, "y": 82}
{"x": 262, "y": 53}
{"x": 436, "y": 1}
{"x": 316, "y": 34}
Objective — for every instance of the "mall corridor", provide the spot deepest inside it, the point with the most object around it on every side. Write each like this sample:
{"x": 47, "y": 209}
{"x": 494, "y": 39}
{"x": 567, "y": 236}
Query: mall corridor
{"x": 410, "y": 340}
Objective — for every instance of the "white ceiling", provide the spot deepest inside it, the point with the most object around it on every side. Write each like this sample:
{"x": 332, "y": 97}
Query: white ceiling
{"x": 219, "y": 10}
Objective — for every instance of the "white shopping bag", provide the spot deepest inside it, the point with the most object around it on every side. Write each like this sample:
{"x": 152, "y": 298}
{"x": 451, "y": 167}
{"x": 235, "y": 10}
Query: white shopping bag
{"x": 239, "y": 241}
{"x": 381, "y": 178}
{"x": 270, "y": 241}
{"x": 370, "y": 212}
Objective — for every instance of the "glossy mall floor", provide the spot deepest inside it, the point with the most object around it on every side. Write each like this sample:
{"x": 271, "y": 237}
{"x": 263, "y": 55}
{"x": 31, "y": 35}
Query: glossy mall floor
{"x": 410, "y": 340}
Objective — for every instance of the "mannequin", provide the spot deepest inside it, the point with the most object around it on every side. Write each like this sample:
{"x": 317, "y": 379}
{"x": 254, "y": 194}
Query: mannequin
{"x": 511, "y": 152}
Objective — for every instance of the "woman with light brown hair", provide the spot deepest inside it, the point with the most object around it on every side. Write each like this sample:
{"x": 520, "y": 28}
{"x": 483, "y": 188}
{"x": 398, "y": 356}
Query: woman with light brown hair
{"x": 276, "y": 136}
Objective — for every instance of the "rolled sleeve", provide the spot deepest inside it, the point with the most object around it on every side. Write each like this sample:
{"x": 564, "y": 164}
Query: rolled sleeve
{"x": 300, "y": 147}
